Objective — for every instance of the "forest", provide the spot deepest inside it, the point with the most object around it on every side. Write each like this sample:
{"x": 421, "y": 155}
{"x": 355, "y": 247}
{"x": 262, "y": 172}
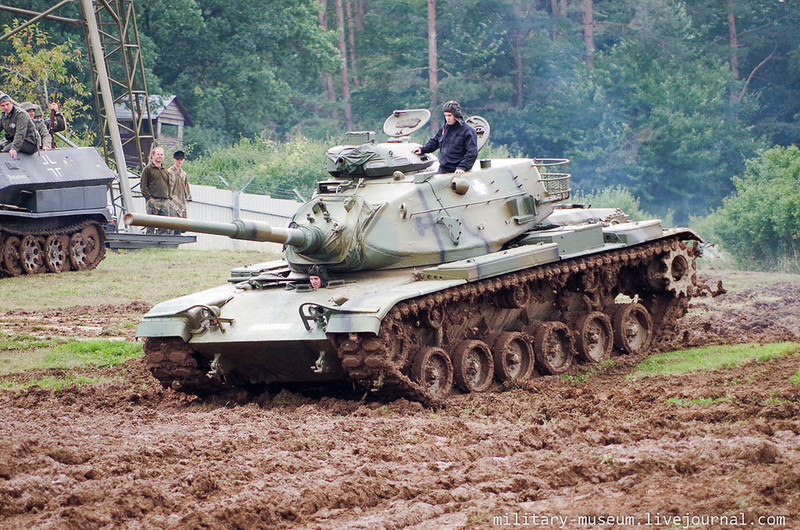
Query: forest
{"x": 672, "y": 102}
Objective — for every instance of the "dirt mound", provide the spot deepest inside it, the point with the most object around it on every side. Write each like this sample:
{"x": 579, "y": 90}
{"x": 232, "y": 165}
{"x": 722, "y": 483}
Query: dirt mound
{"x": 129, "y": 453}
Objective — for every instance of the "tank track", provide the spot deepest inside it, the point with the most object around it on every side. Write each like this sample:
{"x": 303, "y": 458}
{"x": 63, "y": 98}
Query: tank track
{"x": 176, "y": 365}
{"x": 77, "y": 247}
{"x": 384, "y": 363}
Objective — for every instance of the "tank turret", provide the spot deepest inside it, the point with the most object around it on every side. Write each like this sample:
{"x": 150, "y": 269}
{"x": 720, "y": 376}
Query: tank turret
{"x": 411, "y": 216}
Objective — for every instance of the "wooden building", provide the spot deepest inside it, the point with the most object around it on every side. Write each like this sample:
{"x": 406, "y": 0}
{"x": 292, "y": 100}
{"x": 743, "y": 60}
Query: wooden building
{"x": 168, "y": 118}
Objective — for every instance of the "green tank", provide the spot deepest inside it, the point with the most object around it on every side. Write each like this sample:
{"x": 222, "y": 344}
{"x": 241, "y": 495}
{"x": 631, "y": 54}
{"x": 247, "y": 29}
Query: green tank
{"x": 417, "y": 284}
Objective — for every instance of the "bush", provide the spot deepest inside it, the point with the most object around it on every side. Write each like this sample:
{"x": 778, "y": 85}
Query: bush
{"x": 760, "y": 223}
{"x": 277, "y": 169}
{"x": 618, "y": 197}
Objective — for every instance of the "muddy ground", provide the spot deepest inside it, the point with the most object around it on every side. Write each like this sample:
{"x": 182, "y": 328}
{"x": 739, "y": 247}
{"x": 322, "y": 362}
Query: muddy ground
{"x": 612, "y": 448}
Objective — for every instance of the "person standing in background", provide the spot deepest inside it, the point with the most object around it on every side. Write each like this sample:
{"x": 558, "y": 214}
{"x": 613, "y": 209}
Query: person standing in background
{"x": 179, "y": 195}
{"x": 155, "y": 187}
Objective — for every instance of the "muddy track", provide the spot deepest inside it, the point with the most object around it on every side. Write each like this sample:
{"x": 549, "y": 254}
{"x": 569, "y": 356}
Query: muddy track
{"x": 390, "y": 363}
{"x": 77, "y": 247}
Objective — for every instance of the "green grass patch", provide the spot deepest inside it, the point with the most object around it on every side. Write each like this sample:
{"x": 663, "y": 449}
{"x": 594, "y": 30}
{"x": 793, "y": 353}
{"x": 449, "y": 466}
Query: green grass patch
{"x": 698, "y": 401}
{"x": 55, "y": 383}
{"x": 582, "y": 378}
{"x": 23, "y": 341}
{"x": 795, "y": 378}
{"x": 713, "y": 358}
{"x": 95, "y": 353}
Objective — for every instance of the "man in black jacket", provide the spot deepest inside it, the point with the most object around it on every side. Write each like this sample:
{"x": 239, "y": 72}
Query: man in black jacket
{"x": 457, "y": 142}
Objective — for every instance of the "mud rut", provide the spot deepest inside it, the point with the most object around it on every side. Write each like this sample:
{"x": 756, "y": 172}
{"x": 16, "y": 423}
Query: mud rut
{"x": 503, "y": 330}
{"x": 78, "y": 247}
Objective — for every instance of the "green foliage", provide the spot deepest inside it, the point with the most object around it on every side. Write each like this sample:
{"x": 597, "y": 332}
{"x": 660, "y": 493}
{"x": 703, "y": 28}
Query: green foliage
{"x": 759, "y": 225}
{"x": 39, "y": 71}
{"x": 618, "y": 197}
{"x": 277, "y": 168}
{"x": 713, "y": 358}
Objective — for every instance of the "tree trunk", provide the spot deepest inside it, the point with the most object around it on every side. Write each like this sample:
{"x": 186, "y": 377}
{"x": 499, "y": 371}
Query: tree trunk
{"x": 351, "y": 38}
{"x": 433, "y": 68}
{"x": 516, "y": 44}
{"x": 348, "y": 113}
{"x": 359, "y": 5}
{"x": 588, "y": 32}
{"x": 327, "y": 80}
{"x": 734, "y": 43}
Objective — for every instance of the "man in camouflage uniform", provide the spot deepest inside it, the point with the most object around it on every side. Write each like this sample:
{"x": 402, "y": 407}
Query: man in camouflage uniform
{"x": 43, "y": 125}
{"x": 179, "y": 195}
{"x": 20, "y": 133}
{"x": 155, "y": 187}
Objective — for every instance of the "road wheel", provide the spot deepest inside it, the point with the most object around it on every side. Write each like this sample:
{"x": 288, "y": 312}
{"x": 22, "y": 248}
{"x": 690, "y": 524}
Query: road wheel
{"x": 633, "y": 328}
{"x": 95, "y": 240}
{"x": 12, "y": 256}
{"x": 433, "y": 370}
{"x": 32, "y": 255}
{"x": 56, "y": 249}
{"x": 77, "y": 252}
{"x": 473, "y": 365}
{"x": 594, "y": 338}
{"x": 513, "y": 357}
{"x": 553, "y": 347}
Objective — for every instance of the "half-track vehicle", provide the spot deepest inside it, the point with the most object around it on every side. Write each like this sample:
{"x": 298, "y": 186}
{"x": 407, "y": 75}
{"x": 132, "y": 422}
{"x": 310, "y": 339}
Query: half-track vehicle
{"x": 414, "y": 283}
{"x": 53, "y": 207}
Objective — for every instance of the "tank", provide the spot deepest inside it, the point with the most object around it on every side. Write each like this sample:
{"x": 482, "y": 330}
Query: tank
{"x": 53, "y": 207}
{"x": 417, "y": 284}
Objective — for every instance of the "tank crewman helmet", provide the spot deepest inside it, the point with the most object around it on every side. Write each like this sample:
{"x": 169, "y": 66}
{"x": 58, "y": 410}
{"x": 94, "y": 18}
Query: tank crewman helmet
{"x": 179, "y": 155}
{"x": 4, "y": 97}
{"x": 453, "y": 108}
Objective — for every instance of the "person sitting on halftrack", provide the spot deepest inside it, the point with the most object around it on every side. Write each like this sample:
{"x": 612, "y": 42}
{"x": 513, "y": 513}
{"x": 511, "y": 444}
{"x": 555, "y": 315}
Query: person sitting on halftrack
{"x": 20, "y": 133}
{"x": 43, "y": 125}
{"x": 52, "y": 124}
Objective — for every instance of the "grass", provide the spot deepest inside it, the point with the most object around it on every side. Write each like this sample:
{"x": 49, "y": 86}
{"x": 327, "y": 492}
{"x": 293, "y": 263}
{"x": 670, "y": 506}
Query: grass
{"x": 124, "y": 276}
{"x": 795, "y": 378}
{"x": 582, "y": 378}
{"x": 697, "y": 401}
{"x": 712, "y": 358}
{"x": 55, "y": 383}
{"x": 60, "y": 355}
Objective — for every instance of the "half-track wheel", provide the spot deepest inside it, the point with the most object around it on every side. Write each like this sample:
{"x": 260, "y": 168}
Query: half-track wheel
{"x": 473, "y": 365}
{"x": 594, "y": 337}
{"x": 32, "y": 255}
{"x": 633, "y": 328}
{"x": 12, "y": 256}
{"x": 56, "y": 252}
{"x": 78, "y": 252}
{"x": 553, "y": 347}
{"x": 95, "y": 240}
{"x": 513, "y": 357}
{"x": 433, "y": 370}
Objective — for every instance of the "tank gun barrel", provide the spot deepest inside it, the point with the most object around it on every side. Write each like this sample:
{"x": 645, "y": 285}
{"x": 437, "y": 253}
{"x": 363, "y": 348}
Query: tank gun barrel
{"x": 307, "y": 240}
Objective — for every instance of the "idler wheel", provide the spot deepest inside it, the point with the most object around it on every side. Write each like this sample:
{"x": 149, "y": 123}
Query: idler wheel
{"x": 433, "y": 370}
{"x": 56, "y": 248}
{"x": 95, "y": 240}
{"x": 633, "y": 328}
{"x": 12, "y": 256}
{"x": 513, "y": 357}
{"x": 594, "y": 337}
{"x": 32, "y": 255}
{"x": 473, "y": 365}
{"x": 553, "y": 347}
